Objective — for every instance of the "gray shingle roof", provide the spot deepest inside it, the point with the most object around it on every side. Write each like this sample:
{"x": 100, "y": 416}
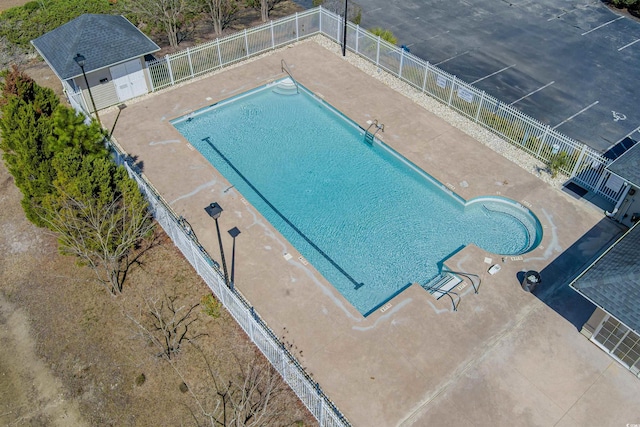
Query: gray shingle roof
{"x": 103, "y": 40}
{"x": 613, "y": 281}
{"x": 627, "y": 166}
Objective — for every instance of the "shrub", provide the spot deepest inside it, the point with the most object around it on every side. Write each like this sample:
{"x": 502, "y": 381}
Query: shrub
{"x": 386, "y": 35}
{"x": 140, "y": 379}
{"x": 210, "y": 306}
{"x": 23, "y": 23}
{"x": 557, "y": 162}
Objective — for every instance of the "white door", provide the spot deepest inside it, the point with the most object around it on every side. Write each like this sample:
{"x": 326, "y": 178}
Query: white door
{"x": 129, "y": 80}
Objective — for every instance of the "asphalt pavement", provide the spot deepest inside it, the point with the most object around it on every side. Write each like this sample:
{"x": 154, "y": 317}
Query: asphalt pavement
{"x": 571, "y": 65}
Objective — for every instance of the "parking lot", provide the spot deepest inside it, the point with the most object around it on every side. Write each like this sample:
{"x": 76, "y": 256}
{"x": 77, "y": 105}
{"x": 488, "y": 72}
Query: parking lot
{"x": 573, "y": 66}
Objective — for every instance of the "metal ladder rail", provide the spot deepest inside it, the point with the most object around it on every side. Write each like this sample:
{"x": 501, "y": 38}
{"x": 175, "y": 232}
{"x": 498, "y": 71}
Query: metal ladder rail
{"x": 449, "y": 293}
{"x": 285, "y": 68}
{"x": 470, "y": 276}
{"x": 370, "y": 136}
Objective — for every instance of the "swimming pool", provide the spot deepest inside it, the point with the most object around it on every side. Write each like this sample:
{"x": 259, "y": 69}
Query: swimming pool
{"x": 367, "y": 219}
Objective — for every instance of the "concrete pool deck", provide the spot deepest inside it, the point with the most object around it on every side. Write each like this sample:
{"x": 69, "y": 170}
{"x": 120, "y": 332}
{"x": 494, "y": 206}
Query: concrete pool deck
{"x": 506, "y": 357}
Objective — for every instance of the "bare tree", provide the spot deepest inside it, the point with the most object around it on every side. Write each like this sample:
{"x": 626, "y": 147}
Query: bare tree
{"x": 238, "y": 389}
{"x": 169, "y": 324}
{"x": 221, "y": 13}
{"x": 171, "y": 16}
{"x": 265, "y": 6}
{"x": 104, "y": 238}
{"x": 249, "y": 396}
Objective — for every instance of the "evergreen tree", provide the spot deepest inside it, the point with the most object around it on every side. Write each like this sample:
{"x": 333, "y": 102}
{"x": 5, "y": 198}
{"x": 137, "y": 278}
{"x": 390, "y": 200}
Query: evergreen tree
{"x": 70, "y": 131}
{"x": 24, "y": 129}
{"x": 99, "y": 214}
{"x": 69, "y": 181}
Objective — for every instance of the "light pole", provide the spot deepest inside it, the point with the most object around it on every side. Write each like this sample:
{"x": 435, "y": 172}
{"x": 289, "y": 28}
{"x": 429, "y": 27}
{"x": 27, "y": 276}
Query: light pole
{"x": 344, "y": 29}
{"x": 120, "y": 108}
{"x": 234, "y": 232}
{"x": 214, "y": 210}
{"x": 81, "y": 60}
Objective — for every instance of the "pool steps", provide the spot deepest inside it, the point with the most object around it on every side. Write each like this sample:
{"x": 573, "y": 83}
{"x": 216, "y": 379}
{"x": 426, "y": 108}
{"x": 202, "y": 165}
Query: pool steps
{"x": 286, "y": 87}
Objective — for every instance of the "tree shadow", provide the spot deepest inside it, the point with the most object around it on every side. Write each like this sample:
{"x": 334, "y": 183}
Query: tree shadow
{"x": 135, "y": 163}
{"x": 554, "y": 289}
{"x": 157, "y": 239}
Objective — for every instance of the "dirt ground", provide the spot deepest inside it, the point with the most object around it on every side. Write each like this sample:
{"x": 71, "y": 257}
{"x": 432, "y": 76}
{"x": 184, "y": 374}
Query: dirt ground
{"x": 6, "y": 4}
{"x": 72, "y": 355}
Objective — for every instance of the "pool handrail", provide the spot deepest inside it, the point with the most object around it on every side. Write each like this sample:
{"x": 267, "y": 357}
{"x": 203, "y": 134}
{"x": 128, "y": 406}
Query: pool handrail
{"x": 285, "y": 68}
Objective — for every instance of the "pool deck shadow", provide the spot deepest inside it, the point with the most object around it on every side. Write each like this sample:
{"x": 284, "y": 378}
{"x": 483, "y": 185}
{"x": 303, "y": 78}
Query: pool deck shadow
{"x": 504, "y": 358}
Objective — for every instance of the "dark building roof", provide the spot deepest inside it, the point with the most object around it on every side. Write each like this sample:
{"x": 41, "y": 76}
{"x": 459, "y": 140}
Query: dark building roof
{"x": 104, "y": 40}
{"x": 613, "y": 281}
{"x": 627, "y": 166}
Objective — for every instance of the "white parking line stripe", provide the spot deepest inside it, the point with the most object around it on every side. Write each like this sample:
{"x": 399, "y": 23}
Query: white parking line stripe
{"x": 624, "y": 137}
{"x": 453, "y": 57}
{"x": 492, "y": 74}
{"x": 437, "y": 35}
{"x": 579, "y": 112}
{"x": 602, "y": 25}
{"x": 531, "y": 93}
{"x": 629, "y": 44}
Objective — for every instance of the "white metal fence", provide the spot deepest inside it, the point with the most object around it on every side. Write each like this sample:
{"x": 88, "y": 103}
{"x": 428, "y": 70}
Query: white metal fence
{"x": 308, "y": 390}
{"x": 219, "y": 53}
{"x": 583, "y": 164}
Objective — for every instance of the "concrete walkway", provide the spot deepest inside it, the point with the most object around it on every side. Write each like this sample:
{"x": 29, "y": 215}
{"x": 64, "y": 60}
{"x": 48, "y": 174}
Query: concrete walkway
{"x": 504, "y": 358}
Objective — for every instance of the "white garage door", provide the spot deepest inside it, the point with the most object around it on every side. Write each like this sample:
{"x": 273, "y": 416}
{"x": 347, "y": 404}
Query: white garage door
{"x": 129, "y": 80}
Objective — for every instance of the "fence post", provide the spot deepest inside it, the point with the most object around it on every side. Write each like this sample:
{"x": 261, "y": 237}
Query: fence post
{"x": 574, "y": 172}
{"x": 246, "y": 43}
{"x": 253, "y": 316}
{"x": 320, "y": 19}
{"x": 284, "y": 373}
{"x": 219, "y": 53}
{"x": 321, "y": 409}
{"x": 194, "y": 254}
{"x": 147, "y": 71}
{"x": 401, "y": 61}
{"x": 378, "y": 54}
{"x": 167, "y": 58}
{"x": 480, "y": 106}
{"x": 297, "y": 30}
{"x": 283, "y": 354}
{"x": 273, "y": 38}
{"x": 544, "y": 140}
{"x": 357, "y": 38}
{"x": 426, "y": 73}
{"x": 453, "y": 83}
{"x": 190, "y": 64}
{"x": 601, "y": 179}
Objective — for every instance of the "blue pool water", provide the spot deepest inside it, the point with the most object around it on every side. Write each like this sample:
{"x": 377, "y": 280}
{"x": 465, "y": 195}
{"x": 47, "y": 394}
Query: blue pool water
{"x": 366, "y": 218}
